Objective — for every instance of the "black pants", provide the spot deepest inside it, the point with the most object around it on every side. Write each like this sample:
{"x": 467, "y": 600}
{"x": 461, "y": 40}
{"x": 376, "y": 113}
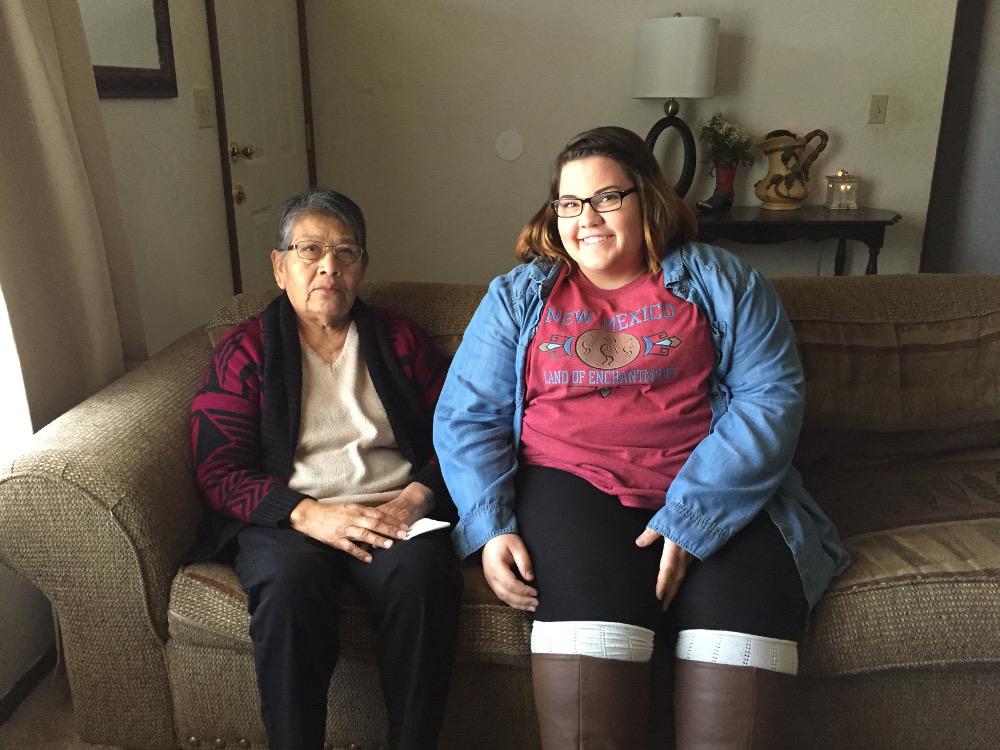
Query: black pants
{"x": 587, "y": 566}
{"x": 412, "y": 591}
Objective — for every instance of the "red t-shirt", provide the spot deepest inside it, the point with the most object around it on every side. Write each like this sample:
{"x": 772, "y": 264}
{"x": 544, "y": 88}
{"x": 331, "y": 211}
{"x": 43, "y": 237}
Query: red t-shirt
{"x": 616, "y": 386}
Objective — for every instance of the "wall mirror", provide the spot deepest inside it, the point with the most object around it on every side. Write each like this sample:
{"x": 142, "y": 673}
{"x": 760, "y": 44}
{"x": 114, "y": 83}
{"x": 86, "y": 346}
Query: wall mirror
{"x": 130, "y": 48}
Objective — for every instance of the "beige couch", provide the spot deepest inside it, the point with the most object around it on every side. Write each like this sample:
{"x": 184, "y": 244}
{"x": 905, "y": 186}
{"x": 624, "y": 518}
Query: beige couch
{"x": 900, "y": 445}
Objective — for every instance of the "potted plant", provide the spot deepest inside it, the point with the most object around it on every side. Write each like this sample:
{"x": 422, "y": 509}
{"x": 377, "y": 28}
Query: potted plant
{"x": 728, "y": 146}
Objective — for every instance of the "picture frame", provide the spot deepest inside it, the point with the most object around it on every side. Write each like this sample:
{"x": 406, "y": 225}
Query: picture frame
{"x": 121, "y": 82}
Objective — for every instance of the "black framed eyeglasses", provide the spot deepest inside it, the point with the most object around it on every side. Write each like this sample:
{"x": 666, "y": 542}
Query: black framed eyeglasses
{"x": 314, "y": 250}
{"x": 609, "y": 200}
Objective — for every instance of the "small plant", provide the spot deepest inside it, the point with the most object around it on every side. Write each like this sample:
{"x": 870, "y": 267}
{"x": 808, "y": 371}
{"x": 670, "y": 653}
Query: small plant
{"x": 727, "y": 142}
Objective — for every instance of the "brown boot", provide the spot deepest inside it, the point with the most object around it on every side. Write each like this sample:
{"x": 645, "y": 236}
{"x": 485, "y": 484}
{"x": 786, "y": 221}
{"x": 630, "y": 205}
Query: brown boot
{"x": 722, "y": 707}
{"x": 586, "y": 703}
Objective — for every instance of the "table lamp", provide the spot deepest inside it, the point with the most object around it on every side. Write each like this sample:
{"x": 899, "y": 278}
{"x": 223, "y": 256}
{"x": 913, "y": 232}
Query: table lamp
{"x": 675, "y": 59}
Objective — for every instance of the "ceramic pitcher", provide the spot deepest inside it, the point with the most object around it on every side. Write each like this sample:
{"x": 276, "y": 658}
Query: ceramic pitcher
{"x": 787, "y": 182}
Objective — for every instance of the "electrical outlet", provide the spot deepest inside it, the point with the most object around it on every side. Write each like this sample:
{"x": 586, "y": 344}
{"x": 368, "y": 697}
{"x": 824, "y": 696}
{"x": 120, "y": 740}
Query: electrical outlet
{"x": 204, "y": 108}
{"x": 877, "y": 108}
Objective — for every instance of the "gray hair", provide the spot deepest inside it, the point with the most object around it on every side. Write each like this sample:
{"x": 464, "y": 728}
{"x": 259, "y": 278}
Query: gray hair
{"x": 326, "y": 203}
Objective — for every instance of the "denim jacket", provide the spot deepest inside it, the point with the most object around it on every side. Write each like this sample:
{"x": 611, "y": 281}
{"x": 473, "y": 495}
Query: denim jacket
{"x": 756, "y": 391}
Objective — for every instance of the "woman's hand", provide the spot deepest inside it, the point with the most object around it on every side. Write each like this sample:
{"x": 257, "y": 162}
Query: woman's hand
{"x": 414, "y": 502}
{"x": 345, "y": 526}
{"x": 673, "y": 565}
{"x": 500, "y": 554}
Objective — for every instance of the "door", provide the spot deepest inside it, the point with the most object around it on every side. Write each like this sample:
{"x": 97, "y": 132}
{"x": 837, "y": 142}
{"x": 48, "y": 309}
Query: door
{"x": 261, "y": 73}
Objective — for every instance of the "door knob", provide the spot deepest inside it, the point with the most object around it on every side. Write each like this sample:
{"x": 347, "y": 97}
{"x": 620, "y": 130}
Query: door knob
{"x": 239, "y": 195}
{"x": 236, "y": 151}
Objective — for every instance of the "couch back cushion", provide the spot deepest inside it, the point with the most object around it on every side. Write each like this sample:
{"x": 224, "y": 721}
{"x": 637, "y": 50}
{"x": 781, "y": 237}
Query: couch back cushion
{"x": 442, "y": 310}
{"x": 897, "y": 367}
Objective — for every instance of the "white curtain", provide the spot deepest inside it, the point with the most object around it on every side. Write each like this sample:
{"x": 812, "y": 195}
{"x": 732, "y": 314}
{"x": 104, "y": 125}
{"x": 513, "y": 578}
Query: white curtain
{"x": 65, "y": 270}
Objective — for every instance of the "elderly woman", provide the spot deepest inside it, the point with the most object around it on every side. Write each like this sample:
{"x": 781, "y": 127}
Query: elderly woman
{"x": 312, "y": 440}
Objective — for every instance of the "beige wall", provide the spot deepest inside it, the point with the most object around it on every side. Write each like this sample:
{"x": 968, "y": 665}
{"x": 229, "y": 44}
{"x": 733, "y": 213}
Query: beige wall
{"x": 410, "y": 97}
{"x": 170, "y": 187}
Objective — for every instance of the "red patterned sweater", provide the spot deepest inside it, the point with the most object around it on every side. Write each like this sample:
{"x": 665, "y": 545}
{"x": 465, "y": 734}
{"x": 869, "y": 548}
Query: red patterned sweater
{"x": 245, "y": 415}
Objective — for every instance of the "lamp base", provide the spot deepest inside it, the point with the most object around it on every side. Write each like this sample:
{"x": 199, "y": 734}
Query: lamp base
{"x": 673, "y": 121}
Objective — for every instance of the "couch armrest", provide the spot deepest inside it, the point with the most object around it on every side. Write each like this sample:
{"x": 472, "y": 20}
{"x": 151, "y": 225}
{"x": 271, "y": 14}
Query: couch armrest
{"x": 97, "y": 513}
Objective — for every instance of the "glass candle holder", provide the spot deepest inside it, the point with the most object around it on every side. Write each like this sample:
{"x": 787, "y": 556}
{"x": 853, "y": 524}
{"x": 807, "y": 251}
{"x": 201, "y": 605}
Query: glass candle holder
{"x": 842, "y": 190}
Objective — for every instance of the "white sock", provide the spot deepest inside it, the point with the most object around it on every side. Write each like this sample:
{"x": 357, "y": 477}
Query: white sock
{"x": 604, "y": 640}
{"x": 738, "y": 649}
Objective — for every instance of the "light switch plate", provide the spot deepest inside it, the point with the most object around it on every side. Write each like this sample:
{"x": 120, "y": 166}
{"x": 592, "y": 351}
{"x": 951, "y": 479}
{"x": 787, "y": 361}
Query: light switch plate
{"x": 876, "y": 110}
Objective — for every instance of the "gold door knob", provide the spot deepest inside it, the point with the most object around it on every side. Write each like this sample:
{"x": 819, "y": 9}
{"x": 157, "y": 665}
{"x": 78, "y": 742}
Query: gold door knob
{"x": 239, "y": 195}
{"x": 236, "y": 151}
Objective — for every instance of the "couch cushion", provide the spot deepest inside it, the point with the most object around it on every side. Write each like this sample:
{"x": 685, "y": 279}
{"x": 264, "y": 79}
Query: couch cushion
{"x": 924, "y": 585}
{"x": 911, "y": 599}
{"x": 208, "y": 608}
{"x": 923, "y": 589}
{"x": 896, "y": 367}
{"x": 961, "y": 487}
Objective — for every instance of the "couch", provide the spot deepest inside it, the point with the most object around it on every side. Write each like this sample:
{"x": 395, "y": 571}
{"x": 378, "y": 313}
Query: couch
{"x": 901, "y": 445}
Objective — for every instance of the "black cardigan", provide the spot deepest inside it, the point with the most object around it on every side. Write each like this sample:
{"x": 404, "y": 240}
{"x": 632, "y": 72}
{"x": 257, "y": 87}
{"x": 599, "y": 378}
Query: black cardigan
{"x": 268, "y": 350}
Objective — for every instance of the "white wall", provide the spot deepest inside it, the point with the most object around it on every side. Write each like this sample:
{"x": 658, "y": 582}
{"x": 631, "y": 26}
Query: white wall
{"x": 410, "y": 97}
{"x": 170, "y": 187}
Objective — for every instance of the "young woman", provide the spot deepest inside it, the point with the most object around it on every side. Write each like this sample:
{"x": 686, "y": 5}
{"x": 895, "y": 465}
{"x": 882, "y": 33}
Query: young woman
{"x": 617, "y": 430}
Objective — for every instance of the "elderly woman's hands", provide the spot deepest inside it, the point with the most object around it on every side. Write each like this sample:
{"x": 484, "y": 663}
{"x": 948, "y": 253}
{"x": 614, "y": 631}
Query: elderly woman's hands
{"x": 346, "y": 525}
{"x": 673, "y": 565}
{"x": 414, "y": 502}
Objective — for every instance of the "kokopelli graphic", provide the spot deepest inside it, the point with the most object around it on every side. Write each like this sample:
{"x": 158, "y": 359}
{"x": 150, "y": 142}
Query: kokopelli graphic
{"x": 607, "y": 351}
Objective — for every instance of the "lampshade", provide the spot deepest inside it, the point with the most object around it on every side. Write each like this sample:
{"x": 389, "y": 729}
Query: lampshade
{"x": 675, "y": 58}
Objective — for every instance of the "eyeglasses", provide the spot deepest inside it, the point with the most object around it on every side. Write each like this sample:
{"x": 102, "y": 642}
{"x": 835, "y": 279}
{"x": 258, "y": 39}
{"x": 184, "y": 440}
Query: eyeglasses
{"x": 609, "y": 200}
{"x": 313, "y": 251}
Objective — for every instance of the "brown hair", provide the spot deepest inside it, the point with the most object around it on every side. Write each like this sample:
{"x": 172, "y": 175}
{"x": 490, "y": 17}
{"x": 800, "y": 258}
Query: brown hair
{"x": 666, "y": 221}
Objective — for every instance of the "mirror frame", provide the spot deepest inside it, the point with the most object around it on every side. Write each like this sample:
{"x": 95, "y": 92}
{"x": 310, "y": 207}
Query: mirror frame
{"x": 143, "y": 83}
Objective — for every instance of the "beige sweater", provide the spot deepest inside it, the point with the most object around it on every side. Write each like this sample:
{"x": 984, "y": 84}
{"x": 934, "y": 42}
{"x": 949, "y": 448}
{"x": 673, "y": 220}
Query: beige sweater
{"x": 346, "y": 451}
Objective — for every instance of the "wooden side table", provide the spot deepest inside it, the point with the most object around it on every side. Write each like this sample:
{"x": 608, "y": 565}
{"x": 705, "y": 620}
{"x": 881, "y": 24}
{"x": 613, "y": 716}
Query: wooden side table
{"x": 757, "y": 226}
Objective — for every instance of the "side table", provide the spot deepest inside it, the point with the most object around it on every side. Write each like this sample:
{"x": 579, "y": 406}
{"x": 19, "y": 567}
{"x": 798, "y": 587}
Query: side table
{"x": 757, "y": 226}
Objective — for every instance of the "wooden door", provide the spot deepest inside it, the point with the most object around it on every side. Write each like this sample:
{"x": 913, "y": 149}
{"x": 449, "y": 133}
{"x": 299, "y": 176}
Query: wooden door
{"x": 261, "y": 75}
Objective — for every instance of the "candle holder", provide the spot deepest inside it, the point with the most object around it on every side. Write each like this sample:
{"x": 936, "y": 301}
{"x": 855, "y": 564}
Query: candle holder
{"x": 842, "y": 190}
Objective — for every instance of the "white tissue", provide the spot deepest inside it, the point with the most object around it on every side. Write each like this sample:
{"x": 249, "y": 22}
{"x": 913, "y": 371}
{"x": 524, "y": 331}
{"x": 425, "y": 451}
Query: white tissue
{"x": 423, "y": 525}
